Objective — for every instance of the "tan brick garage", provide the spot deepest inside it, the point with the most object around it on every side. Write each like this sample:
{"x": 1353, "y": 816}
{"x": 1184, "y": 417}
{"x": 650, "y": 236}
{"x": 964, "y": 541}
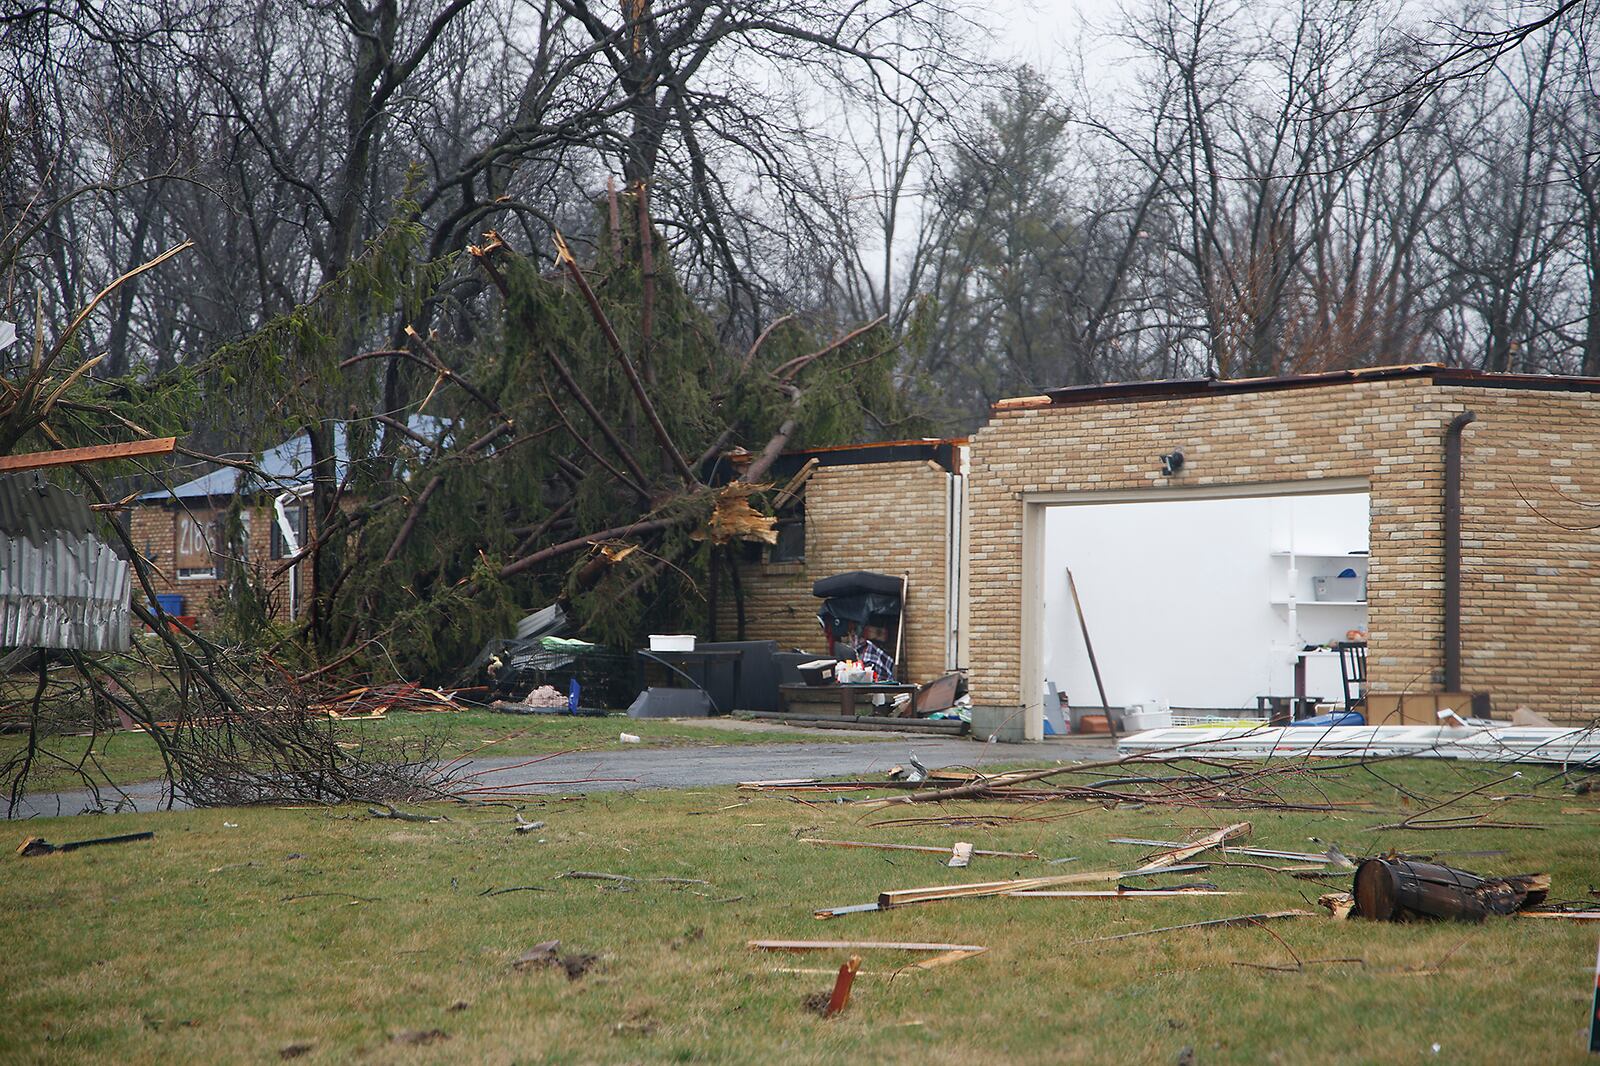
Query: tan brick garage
{"x": 1530, "y": 593}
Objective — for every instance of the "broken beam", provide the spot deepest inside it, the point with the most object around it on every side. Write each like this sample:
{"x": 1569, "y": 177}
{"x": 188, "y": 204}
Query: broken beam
{"x": 97, "y": 453}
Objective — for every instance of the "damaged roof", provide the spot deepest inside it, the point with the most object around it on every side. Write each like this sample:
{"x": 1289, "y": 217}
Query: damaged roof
{"x": 284, "y": 467}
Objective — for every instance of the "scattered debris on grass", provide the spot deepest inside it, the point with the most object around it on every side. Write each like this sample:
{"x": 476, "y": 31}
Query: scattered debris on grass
{"x": 548, "y": 954}
{"x": 960, "y": 856}
{"x": 928, "y": 848}
{"x": 35, "y": 846}
{"x": 387, "y": 811}
{"x": 1339, "y": 904}
{"x": 294, "y": 1051}
{"x": 524, "y": 826}
{"x": 353, "y": 899}
{"x": 590, "y": 875}
{"x": 419, "y": 1037}
{"x": 1214, "y": 923}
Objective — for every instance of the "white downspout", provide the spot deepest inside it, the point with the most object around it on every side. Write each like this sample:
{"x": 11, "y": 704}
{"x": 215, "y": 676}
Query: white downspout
{"x": 291, "y": 542}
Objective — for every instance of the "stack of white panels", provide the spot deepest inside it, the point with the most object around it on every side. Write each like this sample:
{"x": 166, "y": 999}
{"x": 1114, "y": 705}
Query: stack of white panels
{"x": 1488, "y": 744}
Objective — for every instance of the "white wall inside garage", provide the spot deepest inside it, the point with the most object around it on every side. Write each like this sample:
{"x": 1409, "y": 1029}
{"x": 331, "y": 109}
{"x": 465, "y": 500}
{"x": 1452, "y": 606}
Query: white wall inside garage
{"x": 1178, "y": 596}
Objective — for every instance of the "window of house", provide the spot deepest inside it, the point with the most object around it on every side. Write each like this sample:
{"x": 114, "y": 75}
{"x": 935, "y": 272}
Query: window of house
{"x": 195, "y": 532}
{"x": 297, "y": 522}
{"x": 791, "y": 545}
{"x": 199, "y": 542}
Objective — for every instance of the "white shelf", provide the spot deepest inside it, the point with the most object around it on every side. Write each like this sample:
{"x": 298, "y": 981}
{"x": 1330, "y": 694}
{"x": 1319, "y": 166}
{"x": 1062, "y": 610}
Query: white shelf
{"x": 1321, "y": 603}
{"x": 1321, "y": 555}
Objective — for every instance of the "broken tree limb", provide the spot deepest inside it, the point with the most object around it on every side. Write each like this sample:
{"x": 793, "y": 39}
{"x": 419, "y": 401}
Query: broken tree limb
{"x": 594, "y": 453}
{"x": 564, "y": 255}
{"x": 1398, "y": 890}
{"x": 404, "y": 816}
{"x": 590, "y": 875}
{"x": 625, "y": 454}
{"x": 786, "y": 371}
{"x": 34, "y": 846}
{"x": 517, "y": 566}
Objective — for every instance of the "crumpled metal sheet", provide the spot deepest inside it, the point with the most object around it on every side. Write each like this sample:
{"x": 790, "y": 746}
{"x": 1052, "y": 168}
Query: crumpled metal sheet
{"x": 61, "y": 586}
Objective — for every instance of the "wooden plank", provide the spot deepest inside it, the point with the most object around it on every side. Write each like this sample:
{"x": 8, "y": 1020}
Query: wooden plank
{"x": 1188, "y": 851}
{"x": 945, "y": 959}
{"x": 858, "y": 945}
{"x": 928, "y": 848}
{"x": 1119, "y": 893}
{"x": 1259, "y": 853}
{"x": 838, "y": 912}
{"x": 96, "y": 453}
{"x": 901, "y": 897}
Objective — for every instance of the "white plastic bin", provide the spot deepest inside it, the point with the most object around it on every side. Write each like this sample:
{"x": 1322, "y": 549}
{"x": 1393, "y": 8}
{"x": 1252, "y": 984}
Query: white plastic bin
{"x": 1140, "y": 717}
{"x": 672, "y": 642}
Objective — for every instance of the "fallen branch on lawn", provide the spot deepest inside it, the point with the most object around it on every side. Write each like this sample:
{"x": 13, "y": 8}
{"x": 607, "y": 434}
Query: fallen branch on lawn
{"x": 1215, "y": 923}
{"x": 590, "y": 875}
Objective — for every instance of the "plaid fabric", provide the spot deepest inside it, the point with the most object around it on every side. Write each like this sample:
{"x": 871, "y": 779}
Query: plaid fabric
{"x": 875, "y": 657}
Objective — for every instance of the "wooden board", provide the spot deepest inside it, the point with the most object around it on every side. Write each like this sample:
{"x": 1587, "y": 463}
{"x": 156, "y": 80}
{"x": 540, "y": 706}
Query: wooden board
{"x": 97, "y": 453}
{"x": 857, "y": 945}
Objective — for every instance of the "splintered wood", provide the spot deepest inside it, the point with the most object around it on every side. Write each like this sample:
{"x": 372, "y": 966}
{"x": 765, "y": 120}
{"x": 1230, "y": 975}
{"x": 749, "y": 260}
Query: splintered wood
{"x": 1173, "y": 856}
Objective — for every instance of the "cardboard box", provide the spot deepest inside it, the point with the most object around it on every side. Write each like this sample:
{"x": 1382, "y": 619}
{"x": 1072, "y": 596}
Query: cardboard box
{"x": 1422, "y": 708}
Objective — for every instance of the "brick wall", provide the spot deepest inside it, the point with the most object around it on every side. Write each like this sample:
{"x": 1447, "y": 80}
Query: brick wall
{"x": 1530, "y": 596}
{"x": 1531, "y": 592}
{"x": 153, "y": 527}
{"x": 893, "y": 518}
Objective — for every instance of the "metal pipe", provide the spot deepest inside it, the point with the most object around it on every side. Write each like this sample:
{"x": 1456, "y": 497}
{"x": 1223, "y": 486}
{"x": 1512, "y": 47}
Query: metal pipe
{"x": 1452, "y": 549}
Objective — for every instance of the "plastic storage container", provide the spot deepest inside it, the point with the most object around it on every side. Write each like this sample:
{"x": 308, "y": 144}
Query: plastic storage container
{"x": 818, "y": 671}
{"x": 672, "y": 642}
{"x": 1143, "y": 716}
{"x": 1347, "y": 589}
{"x": 170, "y": 603}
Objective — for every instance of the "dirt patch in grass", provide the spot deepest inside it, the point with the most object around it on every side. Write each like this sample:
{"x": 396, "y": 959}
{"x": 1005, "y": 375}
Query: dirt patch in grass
{"x": 183, "y": 949}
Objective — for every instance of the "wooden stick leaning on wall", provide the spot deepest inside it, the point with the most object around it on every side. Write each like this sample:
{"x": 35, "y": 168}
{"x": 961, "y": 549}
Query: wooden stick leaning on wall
{"x": 1083, "y": 624}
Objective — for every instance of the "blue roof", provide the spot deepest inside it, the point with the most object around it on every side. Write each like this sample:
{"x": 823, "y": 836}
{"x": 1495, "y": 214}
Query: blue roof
{"x": 284, "y": 467}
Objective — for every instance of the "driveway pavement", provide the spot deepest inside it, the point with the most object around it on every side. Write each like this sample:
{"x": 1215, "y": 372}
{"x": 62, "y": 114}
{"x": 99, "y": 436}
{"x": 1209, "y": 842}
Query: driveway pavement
{"x": 646, "y": 767}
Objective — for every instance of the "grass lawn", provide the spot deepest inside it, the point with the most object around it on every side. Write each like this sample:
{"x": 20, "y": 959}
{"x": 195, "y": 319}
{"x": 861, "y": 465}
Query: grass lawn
{"x": 334, "y": 930}
{"x": 127, "y": 757}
